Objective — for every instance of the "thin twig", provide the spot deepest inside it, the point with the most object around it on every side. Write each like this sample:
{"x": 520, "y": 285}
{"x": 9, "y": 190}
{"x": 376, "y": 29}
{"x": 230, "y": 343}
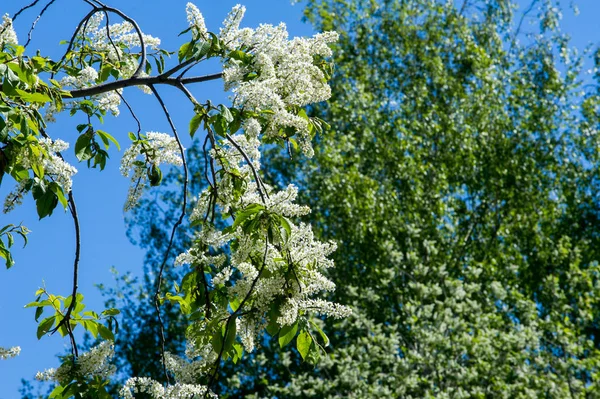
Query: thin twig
{"x": 259, "y": 183}
{"x": 36, "y": 21}
{"x": 139, "y": 125}
{"x": 23, "y": 9}
{"x": 518, "y": 30}
{"x": 178, "y": 67}
{"x": 173, "y": 231}
{"x": 72, "y": 41}
{"x": 109, "y": 37}
{"x": 136, "y": 27}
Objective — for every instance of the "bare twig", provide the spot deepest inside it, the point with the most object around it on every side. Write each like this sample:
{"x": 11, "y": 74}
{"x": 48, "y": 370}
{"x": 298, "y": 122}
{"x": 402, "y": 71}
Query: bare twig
{"x": 139, "y": 125}
{"x": 518, "y": 30}
{"x": 36, "y": 21}
{"x": 23, "y": 9}
{"x": 73, "y": 37}
{"x": 109, "y": 37}
{"x": 259, "y": 184}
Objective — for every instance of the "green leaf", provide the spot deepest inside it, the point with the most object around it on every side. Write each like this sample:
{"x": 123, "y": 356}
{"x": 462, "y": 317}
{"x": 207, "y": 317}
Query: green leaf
{"x": 303, "y": 343}
{"x": 238, "y": 353}
{"x": 105, "y": 332}
{"x": 231, "y": 334}
{"x": 92, "y": 327}
{"x": 106, "y": 138}
{"x": 82, "y": 150}
{"x": 321, "y": 333}
{"x": 38, "y": 312}
{"x": 45, "y": 326}
{"x": 235, "y": 304}
{"x": 287, "y": 334}
{"x": 226, "y": 113}
{"x": 183, "y": 51}
{"x": 46, "y": 204}
{"x": 33, "y": 97}
{"x": 38, "y": 169}
{"x": 217, "y": 341}
{"x": 154, "y": 175}
{"x": 195, "y": 124}
{"x": 111, "y": 312}
{"x": 58, "y": 191}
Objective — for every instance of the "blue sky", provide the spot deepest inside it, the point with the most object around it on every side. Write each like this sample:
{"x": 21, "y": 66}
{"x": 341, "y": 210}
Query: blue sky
{"x": 100, "y": 195}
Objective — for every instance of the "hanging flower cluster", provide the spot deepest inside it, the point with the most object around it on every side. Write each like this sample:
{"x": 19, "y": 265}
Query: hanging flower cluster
{"x": 7, "y": 32}
{"x": 7, "y": 353}
{"x": 155, "y": 149}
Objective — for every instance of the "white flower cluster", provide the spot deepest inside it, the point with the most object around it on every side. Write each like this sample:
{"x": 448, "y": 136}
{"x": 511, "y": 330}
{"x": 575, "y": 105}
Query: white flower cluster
{"x": 157, "y": 391}
{"x": 7, "y": 32}
{"x": 7, "y": 353}
{"x": 54, "y": 166}
{"x": 60, "y": 171}
{"x": 196, "y": 21}
{"x": 88, "y": 365}
{"x": 287, "y": 77}
{"x": 159, "y": 148}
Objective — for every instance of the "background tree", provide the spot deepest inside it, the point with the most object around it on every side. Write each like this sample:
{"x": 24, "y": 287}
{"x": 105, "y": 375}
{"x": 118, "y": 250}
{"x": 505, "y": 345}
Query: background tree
{"x": 459, "y": 179}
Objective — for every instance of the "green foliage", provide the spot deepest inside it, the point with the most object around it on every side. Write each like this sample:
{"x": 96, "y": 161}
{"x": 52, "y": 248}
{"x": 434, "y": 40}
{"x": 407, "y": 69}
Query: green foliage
{"x": 60, "y": 306}
{"x": 7, "y": 233}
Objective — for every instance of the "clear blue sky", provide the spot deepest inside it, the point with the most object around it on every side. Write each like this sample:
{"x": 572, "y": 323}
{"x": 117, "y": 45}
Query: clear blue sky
{"x": 100, "y": 195}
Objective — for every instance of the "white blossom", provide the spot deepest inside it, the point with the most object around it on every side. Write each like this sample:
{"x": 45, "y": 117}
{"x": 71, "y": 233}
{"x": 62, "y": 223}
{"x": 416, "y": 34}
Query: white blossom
{"x": 94, "y": 363}
{"x": 286, "y": 73}
{"x": 157, "y": 391}
{"x": 7, "y": 32}
{"x": 7, "y": 353}
{"x": 196, "y": 21}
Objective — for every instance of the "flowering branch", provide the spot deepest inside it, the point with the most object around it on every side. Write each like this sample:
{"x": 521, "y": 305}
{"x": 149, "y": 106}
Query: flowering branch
{"x": 230, "y": 296}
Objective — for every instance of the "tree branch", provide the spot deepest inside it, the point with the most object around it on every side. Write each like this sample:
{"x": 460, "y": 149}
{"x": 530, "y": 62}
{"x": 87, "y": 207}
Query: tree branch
{"x": 141, "y": 81}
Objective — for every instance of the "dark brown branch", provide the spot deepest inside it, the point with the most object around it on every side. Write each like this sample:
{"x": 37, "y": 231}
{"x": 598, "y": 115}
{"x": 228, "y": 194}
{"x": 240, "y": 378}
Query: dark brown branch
{"x": 141, "y": 81}
{"x": 67, "y": 317}
{"x": 173, "y": 231}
